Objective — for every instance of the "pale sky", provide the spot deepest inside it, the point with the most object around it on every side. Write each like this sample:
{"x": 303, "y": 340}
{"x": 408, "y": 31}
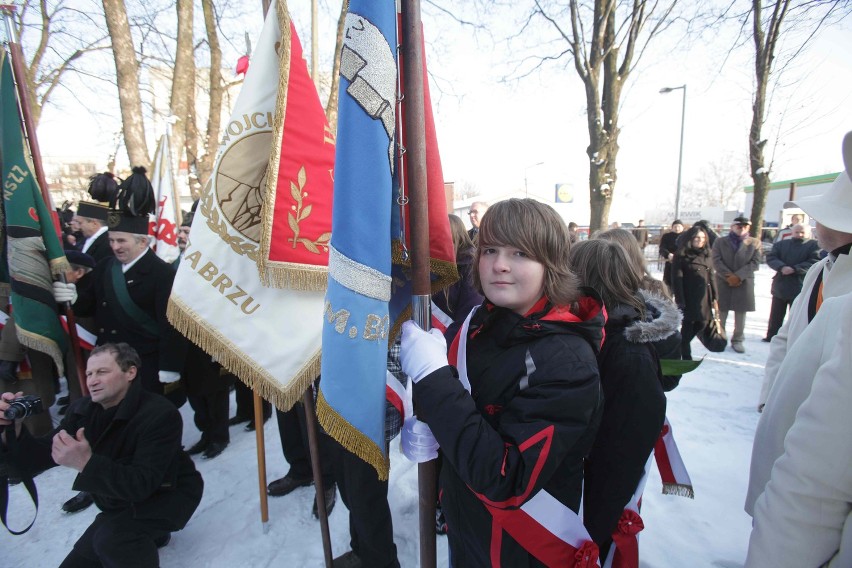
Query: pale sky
{"x": 492, "y": 134}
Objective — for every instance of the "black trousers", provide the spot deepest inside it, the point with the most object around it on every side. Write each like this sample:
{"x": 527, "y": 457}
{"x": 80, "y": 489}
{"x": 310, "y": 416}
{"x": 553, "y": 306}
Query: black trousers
{"x": 688, "y": 331}
{"x": 370, "y": 522}
{"x": 293, "y": 431}
{"x": 776, "y": 315}
{"x": 117, "y": 540}
{"x": 211, "y": 415}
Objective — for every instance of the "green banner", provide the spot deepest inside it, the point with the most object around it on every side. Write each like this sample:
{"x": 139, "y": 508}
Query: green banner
{"x": 33, "y": 252}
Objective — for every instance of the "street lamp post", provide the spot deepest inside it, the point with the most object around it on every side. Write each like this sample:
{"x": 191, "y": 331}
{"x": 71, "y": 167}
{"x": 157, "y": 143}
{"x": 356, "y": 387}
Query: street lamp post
{"x": 527, "y": 169}
{"x": 665, "y": 90}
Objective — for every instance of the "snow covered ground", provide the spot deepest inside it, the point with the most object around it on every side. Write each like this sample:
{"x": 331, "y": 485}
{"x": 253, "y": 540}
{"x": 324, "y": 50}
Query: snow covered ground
{"x": 712, "y": 414}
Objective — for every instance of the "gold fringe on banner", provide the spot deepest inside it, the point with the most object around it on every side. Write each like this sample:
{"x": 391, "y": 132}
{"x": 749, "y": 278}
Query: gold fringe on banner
{"x": 351, "y": 438}
{"x": 186, "y": 321}
{"x": 59, "y": 265}
{"x": 43, "y": 344}
{"x": 293, "y": 276}
{"x": 276, "y": 273}
{"x": 289, "y": 275}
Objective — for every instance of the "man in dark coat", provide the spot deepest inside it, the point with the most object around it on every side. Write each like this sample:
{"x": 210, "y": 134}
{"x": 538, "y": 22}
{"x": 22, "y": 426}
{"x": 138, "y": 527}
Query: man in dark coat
{"x": 128, "y": 299}
{"x": 790, "y": 258}
{"x": 668, "y": 248}
{"x": 640, "y": 233}
{"x": 126, "y": 445}
{"x": 207, "y": 383}
{"x": 736, "y": 257}
{"x": 477, "y": 210}
{"x": 92, "y": 218}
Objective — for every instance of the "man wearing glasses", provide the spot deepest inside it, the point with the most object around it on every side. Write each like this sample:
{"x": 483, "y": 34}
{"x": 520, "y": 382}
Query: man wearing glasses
{"x": 477, "y": 210}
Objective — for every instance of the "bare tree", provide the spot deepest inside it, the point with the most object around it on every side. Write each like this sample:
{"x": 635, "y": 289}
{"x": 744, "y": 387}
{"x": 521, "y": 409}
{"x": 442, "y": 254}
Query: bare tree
{"x": 54, "y": 37}
{"x": 771, "y": 24}
{"x": 182, "y": 101}
{"x": 127, "y": 75}
{"x": 719, "y": 184}
{"x": 605, "y": 40}
{"x": 331, "y": 105}
{"x": 210, "y": 144}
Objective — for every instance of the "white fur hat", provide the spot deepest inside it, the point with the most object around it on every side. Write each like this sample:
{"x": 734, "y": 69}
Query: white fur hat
{"x": 834, "y": 207}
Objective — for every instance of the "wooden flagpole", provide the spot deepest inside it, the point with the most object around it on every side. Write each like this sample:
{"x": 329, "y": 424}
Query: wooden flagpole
{"x": 261, "y": 461}
{"x": 17, "y": 55}
{"x": 308, "y": 398}
{"x": 415, "y": 152}
{"x": 316, "y": 465}
{"x": 258, "y": 422}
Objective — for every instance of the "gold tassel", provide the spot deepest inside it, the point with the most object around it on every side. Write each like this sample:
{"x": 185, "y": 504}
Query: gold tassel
{"x": 351, "y": 438}
{"x": 43, "y": 344}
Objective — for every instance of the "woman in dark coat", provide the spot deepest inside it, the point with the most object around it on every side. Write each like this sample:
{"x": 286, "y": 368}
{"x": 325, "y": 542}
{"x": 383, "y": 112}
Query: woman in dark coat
{"x": 694, "y": 288}
{"x": 632, "y": 381}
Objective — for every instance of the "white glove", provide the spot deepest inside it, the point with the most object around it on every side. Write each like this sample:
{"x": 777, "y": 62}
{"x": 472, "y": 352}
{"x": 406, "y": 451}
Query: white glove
{"x": 169, "y": 377}
{"x": 417, "y": 442}
{"x": 64, "y": 292}
{"x": 420, "y": 352}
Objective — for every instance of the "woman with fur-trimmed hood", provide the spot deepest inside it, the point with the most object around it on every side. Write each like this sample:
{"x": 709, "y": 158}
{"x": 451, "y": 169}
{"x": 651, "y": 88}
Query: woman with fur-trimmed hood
{"x": 632, "y": 382}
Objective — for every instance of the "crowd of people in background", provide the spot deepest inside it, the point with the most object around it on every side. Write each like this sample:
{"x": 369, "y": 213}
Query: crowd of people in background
{"x": 543, "y": 400}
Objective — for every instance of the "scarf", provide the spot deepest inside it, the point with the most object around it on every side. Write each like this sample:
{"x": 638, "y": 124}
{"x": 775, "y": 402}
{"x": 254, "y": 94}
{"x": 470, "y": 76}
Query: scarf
{"x": 736, "y": 240}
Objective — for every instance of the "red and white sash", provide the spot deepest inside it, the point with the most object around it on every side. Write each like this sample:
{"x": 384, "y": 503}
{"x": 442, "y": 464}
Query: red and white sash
{"x": 440, "y": 319}
{"x": 624, "y": 552}
{"x": 673, "y": 472}
{"x": 543, "y": 525}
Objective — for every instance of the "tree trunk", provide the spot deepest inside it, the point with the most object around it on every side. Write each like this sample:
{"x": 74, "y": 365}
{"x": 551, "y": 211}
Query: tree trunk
{"x": 127, "y": 75}
{"x": 204, "y": 166}
{"x": 183, "y": 80}
{"x": 759, "y": 175}
{"x": 331, "y": 107}
{"x": 765, "y": 40}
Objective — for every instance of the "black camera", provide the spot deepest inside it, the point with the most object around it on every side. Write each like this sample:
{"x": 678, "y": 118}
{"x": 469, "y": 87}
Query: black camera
{"x": 24, "y": 406}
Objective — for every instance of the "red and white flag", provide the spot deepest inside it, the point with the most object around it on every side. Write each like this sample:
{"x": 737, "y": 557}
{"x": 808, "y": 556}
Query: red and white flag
{"x": 164, "y": 227}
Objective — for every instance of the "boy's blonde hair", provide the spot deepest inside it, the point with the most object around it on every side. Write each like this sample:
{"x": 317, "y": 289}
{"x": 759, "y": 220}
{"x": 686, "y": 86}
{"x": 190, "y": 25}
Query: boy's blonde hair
{"x": 538, "y": 231}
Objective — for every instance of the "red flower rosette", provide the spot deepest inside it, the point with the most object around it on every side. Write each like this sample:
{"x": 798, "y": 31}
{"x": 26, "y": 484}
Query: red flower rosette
{"x": 587, "y": 555}
{"x": 630, "y": 523}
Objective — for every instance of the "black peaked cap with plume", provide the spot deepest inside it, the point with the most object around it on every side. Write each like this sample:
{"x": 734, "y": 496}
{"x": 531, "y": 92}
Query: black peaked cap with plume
{"x": 103, "y": 188}
{"x": 134, "y": 202}
{"x": 136, "y": 195}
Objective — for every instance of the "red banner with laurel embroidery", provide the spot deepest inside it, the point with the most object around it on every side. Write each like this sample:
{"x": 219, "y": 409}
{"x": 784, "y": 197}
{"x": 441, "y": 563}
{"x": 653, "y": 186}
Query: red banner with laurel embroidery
{"x": 297, "y": 205}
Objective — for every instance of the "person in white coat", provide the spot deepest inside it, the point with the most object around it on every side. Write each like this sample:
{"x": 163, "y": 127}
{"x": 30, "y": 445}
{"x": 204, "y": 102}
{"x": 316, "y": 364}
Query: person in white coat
{"x": 802, "y": 357}
{"x": 803, "y": 517}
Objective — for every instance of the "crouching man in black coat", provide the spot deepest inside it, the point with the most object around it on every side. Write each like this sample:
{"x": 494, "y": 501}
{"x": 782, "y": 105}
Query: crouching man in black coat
{"x": 126, "y": 445}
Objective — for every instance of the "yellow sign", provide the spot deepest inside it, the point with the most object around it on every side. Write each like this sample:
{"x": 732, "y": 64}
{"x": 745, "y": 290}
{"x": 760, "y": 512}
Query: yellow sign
{"x": 564, "y": 193}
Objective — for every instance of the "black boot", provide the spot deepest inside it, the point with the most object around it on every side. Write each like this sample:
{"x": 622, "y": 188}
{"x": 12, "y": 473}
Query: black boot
{"x": 78, "y": 502}
{"x": 330, "y": 494}
{"x": 200, "y": 446}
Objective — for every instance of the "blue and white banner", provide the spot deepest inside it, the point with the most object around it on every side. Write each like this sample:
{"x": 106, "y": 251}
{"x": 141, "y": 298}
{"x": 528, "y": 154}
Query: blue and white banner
{"x": 356, "y": 324}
